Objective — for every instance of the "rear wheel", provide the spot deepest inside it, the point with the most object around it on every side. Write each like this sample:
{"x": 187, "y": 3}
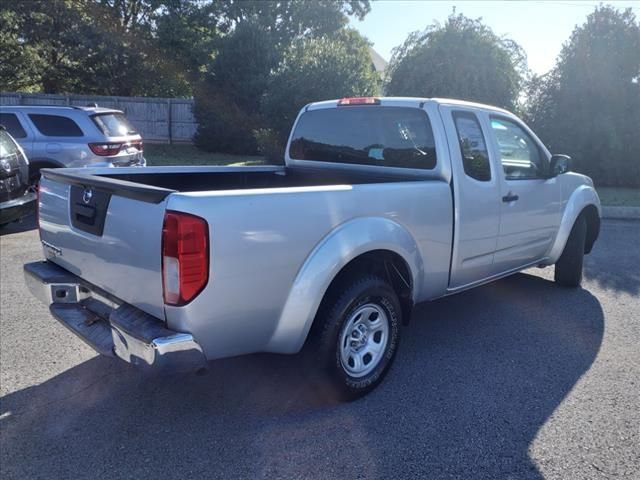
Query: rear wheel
{"x": 359, "y": 335}
{"x": 568, "y": 272}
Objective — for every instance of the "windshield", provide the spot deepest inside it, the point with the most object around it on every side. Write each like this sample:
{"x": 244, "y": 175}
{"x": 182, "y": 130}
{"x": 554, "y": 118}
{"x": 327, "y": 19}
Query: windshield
{"x": 366, "y": 135}
{"x": 114, "y": 124}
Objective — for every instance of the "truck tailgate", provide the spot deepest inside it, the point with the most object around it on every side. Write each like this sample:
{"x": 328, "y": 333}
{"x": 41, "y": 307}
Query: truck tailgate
{"x": 110, "y": 240}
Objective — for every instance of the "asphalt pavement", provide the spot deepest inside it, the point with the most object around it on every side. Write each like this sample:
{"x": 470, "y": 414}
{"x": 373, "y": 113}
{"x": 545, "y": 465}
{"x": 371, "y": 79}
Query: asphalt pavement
{"x": 520, "y": 379}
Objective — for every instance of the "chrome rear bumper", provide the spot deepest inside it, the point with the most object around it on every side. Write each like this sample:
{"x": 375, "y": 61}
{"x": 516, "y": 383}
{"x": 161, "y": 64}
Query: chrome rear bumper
{"x": 108, "y": 325}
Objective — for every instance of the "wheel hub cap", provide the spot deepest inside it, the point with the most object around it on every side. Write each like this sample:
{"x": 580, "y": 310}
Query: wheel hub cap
{"x": 364, "y": 340}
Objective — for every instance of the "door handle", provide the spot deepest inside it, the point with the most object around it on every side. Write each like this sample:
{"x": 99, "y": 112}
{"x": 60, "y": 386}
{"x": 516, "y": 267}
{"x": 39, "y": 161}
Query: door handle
{"x": 510, "y": 197}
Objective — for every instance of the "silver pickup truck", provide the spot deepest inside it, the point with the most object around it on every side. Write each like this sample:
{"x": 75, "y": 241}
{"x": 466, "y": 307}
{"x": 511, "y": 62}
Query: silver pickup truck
{"x": 382, "y": 203}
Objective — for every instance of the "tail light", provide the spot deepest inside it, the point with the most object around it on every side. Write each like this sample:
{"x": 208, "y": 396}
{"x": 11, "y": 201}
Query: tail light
{"x": 110, "y": 149}
{"x": 358, "y": 101}
{"x": 105, "y": 149}
{"x": 185, "y": 257}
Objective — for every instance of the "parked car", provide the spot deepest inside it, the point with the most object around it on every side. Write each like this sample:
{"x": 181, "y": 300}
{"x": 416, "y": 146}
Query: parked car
{"x": 383, "y": 203}
{"x": 61, "y": 136}
{"x": 17, "y": 199}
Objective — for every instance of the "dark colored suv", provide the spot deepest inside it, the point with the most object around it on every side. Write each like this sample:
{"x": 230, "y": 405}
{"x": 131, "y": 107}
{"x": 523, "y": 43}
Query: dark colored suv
{"x": 17, "y": 198}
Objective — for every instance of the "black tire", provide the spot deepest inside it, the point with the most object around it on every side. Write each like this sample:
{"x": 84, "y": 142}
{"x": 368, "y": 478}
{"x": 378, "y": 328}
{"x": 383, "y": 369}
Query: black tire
{"x": 360, "y": 295}
{"x": 34, "y": 179}
{"x": 568, "y": 271}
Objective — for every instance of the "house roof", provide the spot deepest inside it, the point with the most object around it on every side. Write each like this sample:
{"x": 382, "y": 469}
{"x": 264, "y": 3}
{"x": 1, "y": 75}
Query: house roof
{"x": 379, "y": 63}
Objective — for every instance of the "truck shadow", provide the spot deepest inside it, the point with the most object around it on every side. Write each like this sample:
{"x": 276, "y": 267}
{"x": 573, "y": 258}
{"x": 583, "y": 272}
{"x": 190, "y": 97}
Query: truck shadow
{"x": 477, "y": 376}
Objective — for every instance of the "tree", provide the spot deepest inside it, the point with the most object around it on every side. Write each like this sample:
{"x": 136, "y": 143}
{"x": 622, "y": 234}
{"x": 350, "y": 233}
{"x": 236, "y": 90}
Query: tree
{"x": 109, "y": 47}
{"x": 145, "y": 47}
{"x": 21, "y": 64}
{"x": 48, "y": 35}
{"x": 330, "y": 66}
{"x": 257, "y": 36}
{"x": 243, "y": 63}
{"x": 290, "y": 19}
{"x": 461, "y": 59}
{"x": 589, "y": 105}
{"x": 227, "y": 103}
{"x": 186, "y": 35}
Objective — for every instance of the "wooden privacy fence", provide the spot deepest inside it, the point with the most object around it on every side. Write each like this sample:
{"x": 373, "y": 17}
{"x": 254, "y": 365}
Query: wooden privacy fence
{"x": 157, "y": 119}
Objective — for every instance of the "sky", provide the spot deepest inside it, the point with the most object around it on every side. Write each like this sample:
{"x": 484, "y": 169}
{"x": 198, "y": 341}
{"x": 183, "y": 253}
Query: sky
{"x": 540, "y": 27}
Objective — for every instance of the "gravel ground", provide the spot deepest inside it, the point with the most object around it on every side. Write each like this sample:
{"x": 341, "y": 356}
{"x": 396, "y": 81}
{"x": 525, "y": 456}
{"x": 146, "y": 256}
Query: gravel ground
{"x": 518, "y": 379}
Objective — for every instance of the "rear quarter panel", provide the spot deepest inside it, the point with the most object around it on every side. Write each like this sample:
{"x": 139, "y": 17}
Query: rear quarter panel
{"x": 260, "y": 240}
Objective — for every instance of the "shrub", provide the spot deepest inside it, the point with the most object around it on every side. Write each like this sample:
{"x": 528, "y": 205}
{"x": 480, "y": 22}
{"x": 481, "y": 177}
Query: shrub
{"x": 270, "y": 144}
{"x": 223, "y": 126}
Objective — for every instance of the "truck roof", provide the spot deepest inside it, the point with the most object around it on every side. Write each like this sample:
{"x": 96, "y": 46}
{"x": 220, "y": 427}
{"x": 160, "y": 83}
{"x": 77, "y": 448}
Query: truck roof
{"x": 413, "y": 101}
{"x": 52, "y": 108}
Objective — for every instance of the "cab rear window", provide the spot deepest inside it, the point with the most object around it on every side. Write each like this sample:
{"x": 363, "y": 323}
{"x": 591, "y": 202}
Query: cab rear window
{"x": 366, "y": 135}
{"x": 114, "y": 124}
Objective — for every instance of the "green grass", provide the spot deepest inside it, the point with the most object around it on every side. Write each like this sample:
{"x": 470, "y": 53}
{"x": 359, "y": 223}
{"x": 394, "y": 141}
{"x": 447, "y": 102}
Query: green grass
{"x": 619, "y": 197}
{"x": 161, "y": 155}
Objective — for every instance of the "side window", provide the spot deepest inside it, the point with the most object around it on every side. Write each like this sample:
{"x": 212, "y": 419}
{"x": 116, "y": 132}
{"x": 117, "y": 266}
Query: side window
{"x": 56, "y": 125}
{"x": 520, "y": 155}
{"x": 12, "y": 124}
{"x": 473, "y": 148}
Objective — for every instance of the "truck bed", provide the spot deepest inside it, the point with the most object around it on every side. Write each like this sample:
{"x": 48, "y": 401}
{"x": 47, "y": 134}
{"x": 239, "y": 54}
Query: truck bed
{"x": 161, "y": 181}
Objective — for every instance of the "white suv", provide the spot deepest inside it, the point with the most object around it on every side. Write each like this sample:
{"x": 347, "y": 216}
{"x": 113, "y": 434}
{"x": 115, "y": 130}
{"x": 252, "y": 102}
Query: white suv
{"x": 60, "y": 136}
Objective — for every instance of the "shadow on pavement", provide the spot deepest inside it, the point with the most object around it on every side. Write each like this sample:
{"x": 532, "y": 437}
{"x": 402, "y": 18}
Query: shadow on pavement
{"x": 477, "y": 375}
{"x": 610, "y": 267}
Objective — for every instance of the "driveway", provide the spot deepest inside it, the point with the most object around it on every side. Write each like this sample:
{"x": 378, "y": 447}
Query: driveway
{"x": 517, "y": 379}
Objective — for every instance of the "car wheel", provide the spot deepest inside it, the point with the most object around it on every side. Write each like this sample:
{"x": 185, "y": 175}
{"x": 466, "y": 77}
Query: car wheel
{"x": 359, "y": 336}
{"x": 568, "y": 272}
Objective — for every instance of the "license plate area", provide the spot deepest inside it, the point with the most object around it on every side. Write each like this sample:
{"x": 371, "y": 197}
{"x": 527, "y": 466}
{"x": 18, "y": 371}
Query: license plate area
{"x": 88, "y": 208}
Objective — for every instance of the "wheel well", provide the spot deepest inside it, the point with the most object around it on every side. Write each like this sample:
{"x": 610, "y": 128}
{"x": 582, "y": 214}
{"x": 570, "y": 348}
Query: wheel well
{"x": 593, "y": 226}
{"x": 385, "y": 264}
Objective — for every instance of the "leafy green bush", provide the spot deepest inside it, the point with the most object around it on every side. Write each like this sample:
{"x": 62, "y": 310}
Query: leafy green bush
{"x": 223, "y": 126}
{"x": 461, "y": 59}
{"x": 270, "y": 145}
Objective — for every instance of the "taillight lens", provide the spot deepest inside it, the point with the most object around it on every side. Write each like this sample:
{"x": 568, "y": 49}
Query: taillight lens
{"x": 105, "y": 149}
{"x": 359, "y": 101}
{"x": 185, "y": 257}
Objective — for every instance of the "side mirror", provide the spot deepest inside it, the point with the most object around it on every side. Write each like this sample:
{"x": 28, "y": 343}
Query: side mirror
{"x": 559, "y": 164}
